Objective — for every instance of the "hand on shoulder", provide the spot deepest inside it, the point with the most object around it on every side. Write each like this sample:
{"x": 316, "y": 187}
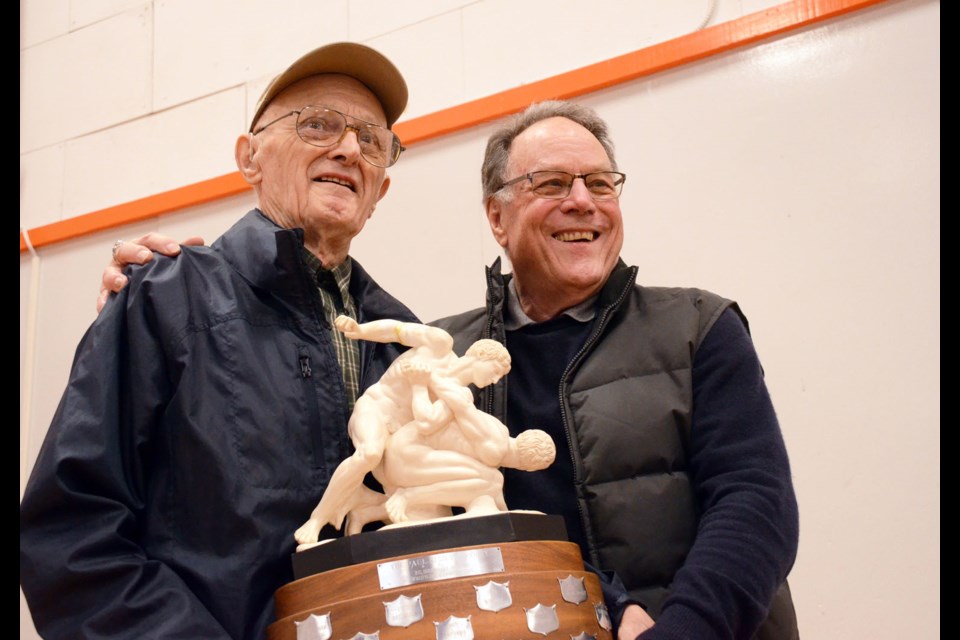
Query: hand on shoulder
{"x": 139, "y": 251}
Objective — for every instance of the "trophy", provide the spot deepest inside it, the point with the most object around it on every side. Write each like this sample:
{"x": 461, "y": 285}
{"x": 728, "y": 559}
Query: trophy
{"x": 484, "y": 573}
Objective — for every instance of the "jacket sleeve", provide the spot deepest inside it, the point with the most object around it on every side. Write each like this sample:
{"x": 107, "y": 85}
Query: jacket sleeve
{"x": 615, "y": 595}
{"x": 747, "y": 537}
{"x": 83, "y": 569}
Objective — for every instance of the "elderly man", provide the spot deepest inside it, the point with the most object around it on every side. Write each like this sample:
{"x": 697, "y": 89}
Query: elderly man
{"x": 671, "y": 469}
{"x": 208, "y": 404}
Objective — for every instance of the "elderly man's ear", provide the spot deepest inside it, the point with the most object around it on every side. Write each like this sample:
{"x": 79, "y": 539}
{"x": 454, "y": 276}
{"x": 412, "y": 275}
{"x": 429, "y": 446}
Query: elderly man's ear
{"x": 246, "y": 159}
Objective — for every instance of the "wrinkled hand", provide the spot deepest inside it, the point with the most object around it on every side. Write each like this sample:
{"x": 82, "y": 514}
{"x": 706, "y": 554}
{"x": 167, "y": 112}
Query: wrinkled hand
{"x": 139, "y": 251}
{"x": 634, "y": 622}
{"x": 348, "y": 327}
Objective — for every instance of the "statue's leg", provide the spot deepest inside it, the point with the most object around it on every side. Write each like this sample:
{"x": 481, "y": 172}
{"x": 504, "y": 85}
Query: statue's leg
{"x": 485, "y": 504}
{"x": 476, "y": 495}
{"x": 369, "y": 433}
{"x": 369, "y": 507}
{"x": 418, "y": 477}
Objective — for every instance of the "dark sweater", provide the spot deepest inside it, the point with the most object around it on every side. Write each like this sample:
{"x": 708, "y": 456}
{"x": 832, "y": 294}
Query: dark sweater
{"x": 540, "y": 354}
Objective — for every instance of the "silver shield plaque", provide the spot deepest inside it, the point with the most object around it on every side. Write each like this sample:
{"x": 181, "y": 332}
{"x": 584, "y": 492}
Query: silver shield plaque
{"x": 440, "y": 566}
{"x": 603, "y": 618}
{"x": 404, "y": 611}
{"x": 572, "y": 589}
{"x": 454, "y": 628}
{"x": 494, "y": 596}
{"x": 583, "y": 635}
{"x": 542, "y": 619}
{"x": 314, "y": 628}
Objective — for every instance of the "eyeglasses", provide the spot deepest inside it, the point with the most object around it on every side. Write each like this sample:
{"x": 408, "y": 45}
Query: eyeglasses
{"x": 323, "y": 127}
{"x": 602, "y": 185}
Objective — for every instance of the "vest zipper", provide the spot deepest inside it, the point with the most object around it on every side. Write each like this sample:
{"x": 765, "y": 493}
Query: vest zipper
{"x": 564, "y": 379}
{"x": 488, "y": 392}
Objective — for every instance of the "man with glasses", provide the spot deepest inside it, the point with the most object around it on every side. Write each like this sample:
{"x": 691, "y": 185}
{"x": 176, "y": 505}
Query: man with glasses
{"x": 207, "y": 406}
{"x": 671, "y": 468}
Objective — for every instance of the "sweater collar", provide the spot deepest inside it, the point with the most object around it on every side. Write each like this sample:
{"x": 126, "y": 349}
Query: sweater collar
{"x": 502, "y": 290}
{"x": 515, "y": 318}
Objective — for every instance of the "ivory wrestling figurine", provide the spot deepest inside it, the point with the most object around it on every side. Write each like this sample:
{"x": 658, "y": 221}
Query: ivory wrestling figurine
{"x": 420, "y": 435}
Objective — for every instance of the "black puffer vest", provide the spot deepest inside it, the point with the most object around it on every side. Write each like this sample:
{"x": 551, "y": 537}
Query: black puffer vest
{"x": 627, "y": 405}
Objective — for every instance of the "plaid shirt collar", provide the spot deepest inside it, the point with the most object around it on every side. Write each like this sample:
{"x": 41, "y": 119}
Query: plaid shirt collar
{"x": 333, "y": 286}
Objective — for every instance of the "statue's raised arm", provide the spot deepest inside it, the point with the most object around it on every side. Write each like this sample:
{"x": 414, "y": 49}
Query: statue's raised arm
{"x": 406, "y": 333}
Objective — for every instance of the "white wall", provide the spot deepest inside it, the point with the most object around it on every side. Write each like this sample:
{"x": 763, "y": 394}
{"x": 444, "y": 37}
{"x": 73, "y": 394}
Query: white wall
{"x": 800, "y": 176}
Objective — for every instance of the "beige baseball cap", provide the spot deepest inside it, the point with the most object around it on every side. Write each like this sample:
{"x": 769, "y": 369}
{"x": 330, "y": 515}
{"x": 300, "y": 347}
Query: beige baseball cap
{"x": 358, "y": 61}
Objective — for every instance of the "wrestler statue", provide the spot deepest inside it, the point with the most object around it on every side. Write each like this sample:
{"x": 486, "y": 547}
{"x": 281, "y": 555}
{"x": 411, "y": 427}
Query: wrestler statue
{"x": 420, "y": 435}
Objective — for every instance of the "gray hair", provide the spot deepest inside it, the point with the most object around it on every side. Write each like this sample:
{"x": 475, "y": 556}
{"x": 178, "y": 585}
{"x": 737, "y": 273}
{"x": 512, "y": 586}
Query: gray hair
{"x": 493, "y": 171}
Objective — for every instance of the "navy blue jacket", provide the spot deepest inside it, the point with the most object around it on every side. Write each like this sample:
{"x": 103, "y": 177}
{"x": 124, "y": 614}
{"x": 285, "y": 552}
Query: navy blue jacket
{"x": 204, "y": 415}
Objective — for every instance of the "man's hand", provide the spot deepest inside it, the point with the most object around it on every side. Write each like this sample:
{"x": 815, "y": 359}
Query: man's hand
{"x": 139, "y": 251}
{"x": 634, "y": 622}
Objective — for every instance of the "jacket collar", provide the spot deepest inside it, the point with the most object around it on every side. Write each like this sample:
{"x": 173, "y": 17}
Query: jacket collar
{"x": 264, "y": 254}
{"x": 269, "y": 257}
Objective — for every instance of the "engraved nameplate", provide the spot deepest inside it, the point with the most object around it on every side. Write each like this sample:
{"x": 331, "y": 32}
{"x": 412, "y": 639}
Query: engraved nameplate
{"x": 603, "y": 617}
{"x": 494, "y": 596}
{"x": 440, "y": 566}
{"x": 573, "y": 590}
{"x": 314, "y": 628}
{"x": 542, "y": 619}
{"x": 404, "y": 611}
{"x": 454, "y": 628}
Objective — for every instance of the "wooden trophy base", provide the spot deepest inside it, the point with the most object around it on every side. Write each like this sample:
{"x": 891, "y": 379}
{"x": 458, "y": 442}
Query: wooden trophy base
{"x": 513, "y": 589}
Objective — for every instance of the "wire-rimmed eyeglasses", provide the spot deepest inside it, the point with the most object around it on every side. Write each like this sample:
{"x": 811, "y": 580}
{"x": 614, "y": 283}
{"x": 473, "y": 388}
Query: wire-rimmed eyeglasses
{"x": 601, "y": 185}
{"x": 325, "y": 127}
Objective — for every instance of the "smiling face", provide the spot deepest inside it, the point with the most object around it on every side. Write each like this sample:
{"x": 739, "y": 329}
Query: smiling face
{"x": 330, "y": 192}
{"x": 562, "y": 250}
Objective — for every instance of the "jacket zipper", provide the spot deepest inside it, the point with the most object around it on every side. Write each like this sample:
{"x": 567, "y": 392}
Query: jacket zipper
{"x": 315, "y": 333}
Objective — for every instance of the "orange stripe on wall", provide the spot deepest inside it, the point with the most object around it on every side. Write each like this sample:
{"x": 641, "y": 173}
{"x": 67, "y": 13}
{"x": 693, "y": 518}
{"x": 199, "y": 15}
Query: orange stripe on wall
{"x": 136, "y": 210}
{"x": 689, "y": 48}
{"x": 643, "y": 62}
